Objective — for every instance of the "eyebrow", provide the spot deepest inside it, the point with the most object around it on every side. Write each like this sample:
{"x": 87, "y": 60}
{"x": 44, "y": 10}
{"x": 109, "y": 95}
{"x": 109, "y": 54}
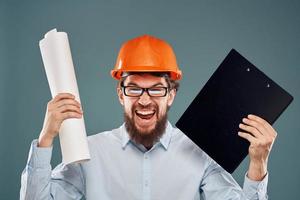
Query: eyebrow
{"x": 134, "y": 84}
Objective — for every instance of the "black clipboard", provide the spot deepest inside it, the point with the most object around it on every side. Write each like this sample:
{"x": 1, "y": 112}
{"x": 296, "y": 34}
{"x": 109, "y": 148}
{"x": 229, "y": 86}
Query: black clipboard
{"x": 237, "y": 88}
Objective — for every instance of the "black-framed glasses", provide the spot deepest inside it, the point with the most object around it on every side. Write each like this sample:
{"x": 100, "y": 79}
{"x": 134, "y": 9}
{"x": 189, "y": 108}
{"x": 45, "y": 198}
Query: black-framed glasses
{"x": 135, "y": 91}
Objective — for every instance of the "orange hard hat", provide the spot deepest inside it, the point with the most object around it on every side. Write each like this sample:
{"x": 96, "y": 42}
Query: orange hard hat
{"x": 146, "y": 54}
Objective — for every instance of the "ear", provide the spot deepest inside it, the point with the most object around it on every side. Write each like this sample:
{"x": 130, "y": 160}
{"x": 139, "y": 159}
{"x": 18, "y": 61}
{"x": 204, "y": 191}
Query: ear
{"x": 171, "y": 97}
{"x": 120, "y": 95}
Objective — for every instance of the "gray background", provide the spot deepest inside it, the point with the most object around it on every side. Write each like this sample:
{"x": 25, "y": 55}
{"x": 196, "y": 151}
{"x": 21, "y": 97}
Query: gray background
{"x": 201, "y": 32}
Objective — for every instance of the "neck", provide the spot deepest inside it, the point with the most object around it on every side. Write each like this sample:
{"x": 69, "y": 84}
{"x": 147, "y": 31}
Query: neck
{"x": 148, "y": 147}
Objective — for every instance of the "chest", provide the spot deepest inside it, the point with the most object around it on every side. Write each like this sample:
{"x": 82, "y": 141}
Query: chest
{"x": 130, "y": 174}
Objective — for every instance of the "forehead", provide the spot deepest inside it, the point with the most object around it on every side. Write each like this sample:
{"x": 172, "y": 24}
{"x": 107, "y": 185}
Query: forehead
{"x": 145, "y": 80}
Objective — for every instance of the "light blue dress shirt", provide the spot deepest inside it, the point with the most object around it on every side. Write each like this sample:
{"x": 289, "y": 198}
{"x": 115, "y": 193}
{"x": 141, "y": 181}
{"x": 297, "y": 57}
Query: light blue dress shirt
{"x": 173, "y": 169}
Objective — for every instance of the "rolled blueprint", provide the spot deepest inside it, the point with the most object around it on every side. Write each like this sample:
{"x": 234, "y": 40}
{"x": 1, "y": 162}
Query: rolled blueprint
{"x": 61, "y": 77}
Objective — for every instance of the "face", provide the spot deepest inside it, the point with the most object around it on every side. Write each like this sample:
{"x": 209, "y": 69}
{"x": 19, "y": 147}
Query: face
{"x": 146, "y": 113}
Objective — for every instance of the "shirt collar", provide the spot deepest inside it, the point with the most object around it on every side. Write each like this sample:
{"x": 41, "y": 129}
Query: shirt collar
{"x": 164, "y": 140}
{"x": 125, "y": 136}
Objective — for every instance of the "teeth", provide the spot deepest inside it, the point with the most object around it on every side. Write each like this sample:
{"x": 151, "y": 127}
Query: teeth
{"x": 145, "y": 112}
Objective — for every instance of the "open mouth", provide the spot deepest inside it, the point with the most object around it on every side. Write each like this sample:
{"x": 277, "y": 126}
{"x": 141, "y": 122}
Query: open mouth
{"x": 145, "y": 114}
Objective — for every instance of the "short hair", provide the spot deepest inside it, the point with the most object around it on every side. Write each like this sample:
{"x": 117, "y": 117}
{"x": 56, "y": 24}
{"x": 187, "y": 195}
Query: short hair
{"x": 172, "y": 84}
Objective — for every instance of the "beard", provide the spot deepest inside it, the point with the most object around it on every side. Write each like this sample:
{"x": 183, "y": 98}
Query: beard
{"x": 146, "y": 138}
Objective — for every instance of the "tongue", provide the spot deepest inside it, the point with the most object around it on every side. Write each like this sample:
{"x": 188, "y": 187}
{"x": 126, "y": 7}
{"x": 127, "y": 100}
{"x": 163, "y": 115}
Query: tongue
{"x": 145, "y": 116}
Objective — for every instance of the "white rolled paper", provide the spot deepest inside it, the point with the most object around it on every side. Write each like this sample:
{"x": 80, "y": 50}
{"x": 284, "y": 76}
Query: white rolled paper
{"x": 57, "y": 59}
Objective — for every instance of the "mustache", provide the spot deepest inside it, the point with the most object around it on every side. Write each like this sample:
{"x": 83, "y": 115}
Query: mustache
{"x": 146, "y": 107}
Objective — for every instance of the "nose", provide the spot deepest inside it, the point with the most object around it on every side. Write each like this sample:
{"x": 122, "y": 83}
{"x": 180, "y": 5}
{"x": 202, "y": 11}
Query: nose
{"x": 145, "y": 99}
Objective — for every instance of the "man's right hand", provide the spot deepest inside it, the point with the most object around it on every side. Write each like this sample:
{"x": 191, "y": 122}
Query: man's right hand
{"x": 63, "y": 106}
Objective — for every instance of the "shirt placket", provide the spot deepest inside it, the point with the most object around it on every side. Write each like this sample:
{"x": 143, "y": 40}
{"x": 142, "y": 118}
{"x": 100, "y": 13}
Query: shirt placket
{"x": 146, "y": 176}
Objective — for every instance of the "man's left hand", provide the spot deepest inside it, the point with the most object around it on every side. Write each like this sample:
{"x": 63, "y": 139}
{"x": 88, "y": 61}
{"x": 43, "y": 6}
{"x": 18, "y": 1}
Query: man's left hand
{"x": 261, "y": 136}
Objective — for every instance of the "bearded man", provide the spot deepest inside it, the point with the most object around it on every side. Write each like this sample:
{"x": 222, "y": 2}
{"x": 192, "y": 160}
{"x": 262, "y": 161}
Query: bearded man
{"x": 146, "y": 158}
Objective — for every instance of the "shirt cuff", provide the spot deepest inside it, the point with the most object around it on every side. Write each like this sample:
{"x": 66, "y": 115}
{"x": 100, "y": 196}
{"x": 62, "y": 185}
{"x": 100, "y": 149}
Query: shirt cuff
{"x": 39, "y": 157}
{"x": 256, "y": 188}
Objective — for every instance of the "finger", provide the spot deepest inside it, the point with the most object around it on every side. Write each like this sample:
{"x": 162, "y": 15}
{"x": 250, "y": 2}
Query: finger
{"x": 247, "y": 136}
{"x": 63, "y": 96}
{"x": 263, "y": 122}
{"x": 67, "y": 108}
{"x": 67, "y": 102}
{"x": 68, "y": 115}
{"x": 252, "y": 130}
{"x": 262, "y": 129}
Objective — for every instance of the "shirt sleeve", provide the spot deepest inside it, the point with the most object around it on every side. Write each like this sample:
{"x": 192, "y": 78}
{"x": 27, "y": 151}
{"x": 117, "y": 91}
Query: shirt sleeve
{"x": 257, "y": 189}
{"x": 218, "y": 184}
{"x": 39, "y": 181}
